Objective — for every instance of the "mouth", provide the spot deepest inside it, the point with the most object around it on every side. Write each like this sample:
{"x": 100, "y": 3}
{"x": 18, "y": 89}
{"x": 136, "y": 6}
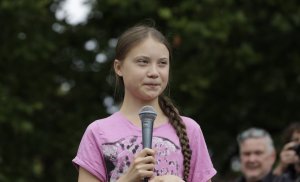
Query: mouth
{"x": 151, "y": 84}
{"x": 252, "y": 167}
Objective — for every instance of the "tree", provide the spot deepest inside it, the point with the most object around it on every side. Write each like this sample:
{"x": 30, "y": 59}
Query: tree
{"x": 236, "y": 64}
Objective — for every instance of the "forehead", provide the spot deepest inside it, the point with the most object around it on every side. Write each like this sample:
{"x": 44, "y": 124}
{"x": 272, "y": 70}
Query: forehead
{"x": 149, "y": 45}
{"x": 254, "y": 144}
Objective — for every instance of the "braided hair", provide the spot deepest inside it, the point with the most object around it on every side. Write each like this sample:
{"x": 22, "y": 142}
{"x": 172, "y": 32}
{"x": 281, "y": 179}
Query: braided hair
{"x": 172, "y": 113}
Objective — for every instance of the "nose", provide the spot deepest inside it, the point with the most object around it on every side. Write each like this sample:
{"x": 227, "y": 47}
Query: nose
{"x": 153, "y": 71}
{"x": 252, "y": 157}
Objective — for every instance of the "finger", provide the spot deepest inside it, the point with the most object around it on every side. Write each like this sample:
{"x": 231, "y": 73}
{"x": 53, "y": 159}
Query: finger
{"x": 147, "y": 152}
{"x": 147, "y": 167}
{"x": 289, "y": 145}
{"x": 140, "y": 161}
{"x": 288, "y": 153}
{"x": 144, "y": 173}
{"x": 291, "y": 154}
{"x": 144, "y": 152}
{"x": 149, "y": 159}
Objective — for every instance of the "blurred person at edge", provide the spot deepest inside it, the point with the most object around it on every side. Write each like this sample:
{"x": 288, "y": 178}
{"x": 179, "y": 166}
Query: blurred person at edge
{"x": 288, "y": 165}
{"x": 257, "y": 156}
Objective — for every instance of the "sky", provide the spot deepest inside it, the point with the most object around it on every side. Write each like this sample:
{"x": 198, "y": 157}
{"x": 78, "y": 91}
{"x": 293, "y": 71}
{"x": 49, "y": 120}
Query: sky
{"x": 73, "y": 11}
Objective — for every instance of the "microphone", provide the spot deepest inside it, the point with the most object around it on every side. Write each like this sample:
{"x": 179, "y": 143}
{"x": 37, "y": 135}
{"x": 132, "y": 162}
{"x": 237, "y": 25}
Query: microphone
{"x": 147, "y": 116}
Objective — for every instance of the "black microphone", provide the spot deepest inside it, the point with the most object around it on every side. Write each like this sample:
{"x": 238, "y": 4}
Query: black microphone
{"x": 147, "y": 116}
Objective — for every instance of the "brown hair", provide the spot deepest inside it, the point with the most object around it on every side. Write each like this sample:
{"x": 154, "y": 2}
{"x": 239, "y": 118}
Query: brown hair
{"x": 289, "y": 131}
{"x": 126, "y": 42}
{"x": 171, "y": 111}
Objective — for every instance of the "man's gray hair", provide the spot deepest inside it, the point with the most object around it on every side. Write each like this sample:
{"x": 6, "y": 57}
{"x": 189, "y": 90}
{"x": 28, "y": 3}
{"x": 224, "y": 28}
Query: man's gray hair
{"x": 254, "y": 133}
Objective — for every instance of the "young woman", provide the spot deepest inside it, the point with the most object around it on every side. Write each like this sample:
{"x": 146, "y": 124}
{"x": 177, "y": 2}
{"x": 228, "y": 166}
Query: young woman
{"x": 111, "y": 148}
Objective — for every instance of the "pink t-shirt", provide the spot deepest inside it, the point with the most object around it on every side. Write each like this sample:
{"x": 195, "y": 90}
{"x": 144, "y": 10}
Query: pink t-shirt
{"x": 109, "y": 145}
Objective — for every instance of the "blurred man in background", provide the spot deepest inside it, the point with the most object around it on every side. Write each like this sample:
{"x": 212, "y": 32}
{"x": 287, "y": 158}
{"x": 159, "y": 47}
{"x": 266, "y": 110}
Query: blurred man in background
{"x": 257, "y": 156}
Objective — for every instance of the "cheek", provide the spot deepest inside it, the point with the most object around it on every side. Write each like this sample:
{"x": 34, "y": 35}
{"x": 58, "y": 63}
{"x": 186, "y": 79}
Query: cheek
{"x": 166, "y": 75}
{"x": 268, "y": 160}
{"x": 133, "y": 74}
{"x": 243, "y": 160}
{"x": 166, "y": 78}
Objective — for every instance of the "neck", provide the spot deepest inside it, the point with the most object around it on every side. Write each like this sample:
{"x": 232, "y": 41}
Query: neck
{"x": 131, "y": 107}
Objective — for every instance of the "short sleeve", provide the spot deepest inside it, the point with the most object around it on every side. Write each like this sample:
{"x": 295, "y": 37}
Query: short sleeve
{"x": 202, "y": 168}
{"x": 89, "y": 155}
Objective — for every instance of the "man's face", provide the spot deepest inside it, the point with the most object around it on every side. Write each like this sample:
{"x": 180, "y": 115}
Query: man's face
{"x": 256, "y": 158}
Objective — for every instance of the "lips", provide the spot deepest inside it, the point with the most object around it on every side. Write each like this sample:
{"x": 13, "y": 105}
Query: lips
{"x": 252, "y": 166}
{"x": 152, "y": 84}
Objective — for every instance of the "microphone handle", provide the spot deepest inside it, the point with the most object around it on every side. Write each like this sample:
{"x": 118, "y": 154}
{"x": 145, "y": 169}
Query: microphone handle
{"x": 147, "y": 131}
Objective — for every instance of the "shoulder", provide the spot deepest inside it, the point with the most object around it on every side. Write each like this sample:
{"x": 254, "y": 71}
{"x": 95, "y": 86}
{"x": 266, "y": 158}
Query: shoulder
{"x": 190, "y": 123}
{"x": 193, "y": 129}
{"x": 104, "y": 123}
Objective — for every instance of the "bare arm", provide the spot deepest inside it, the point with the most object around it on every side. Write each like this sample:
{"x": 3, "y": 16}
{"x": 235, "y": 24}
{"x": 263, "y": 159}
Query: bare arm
{"x": 85, "y": 176}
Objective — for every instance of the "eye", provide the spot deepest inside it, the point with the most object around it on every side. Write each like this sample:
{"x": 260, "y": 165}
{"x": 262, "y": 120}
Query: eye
{"x": 142, "y": 61}
{"x": 258, "y": 152}
{"x": 246, "y": 154}
{"x": 163, "y": 62}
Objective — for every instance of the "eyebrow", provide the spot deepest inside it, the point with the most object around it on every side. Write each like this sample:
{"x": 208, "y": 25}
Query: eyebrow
{"x": 138, "y": 57}
{"x": 147, "y": 57}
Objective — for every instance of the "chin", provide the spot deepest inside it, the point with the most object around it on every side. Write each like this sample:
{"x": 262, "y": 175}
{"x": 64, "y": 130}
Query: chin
{"x": 253, "y": 176}
{"x": 149, "y": 98}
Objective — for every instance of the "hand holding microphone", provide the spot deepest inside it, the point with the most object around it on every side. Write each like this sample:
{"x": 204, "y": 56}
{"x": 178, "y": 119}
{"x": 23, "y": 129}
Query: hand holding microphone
{"x": 143, "y": 164}
{"x": 141, "y": 167}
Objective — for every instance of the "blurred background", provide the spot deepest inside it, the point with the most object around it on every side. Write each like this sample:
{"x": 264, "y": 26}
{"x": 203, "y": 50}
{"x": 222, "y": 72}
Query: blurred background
{"x": 236, "y": 65}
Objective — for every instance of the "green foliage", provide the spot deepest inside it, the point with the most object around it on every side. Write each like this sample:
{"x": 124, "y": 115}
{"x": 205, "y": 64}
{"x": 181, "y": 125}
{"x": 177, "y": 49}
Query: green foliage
{"x": 236, "y": 64}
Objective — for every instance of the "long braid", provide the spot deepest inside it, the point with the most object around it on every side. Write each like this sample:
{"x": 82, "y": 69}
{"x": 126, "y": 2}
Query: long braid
{"x": 171, "y": 111}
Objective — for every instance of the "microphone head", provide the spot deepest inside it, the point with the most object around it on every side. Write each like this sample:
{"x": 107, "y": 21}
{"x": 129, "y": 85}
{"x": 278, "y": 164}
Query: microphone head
{"x": 147, "y": 112}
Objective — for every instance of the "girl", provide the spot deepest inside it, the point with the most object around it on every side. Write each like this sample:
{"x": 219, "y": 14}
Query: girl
{"x": 111, "y": 148}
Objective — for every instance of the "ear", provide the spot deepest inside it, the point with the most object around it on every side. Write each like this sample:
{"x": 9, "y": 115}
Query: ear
{"x": 117, "y": 67}
{"x": 273, "y": 157}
